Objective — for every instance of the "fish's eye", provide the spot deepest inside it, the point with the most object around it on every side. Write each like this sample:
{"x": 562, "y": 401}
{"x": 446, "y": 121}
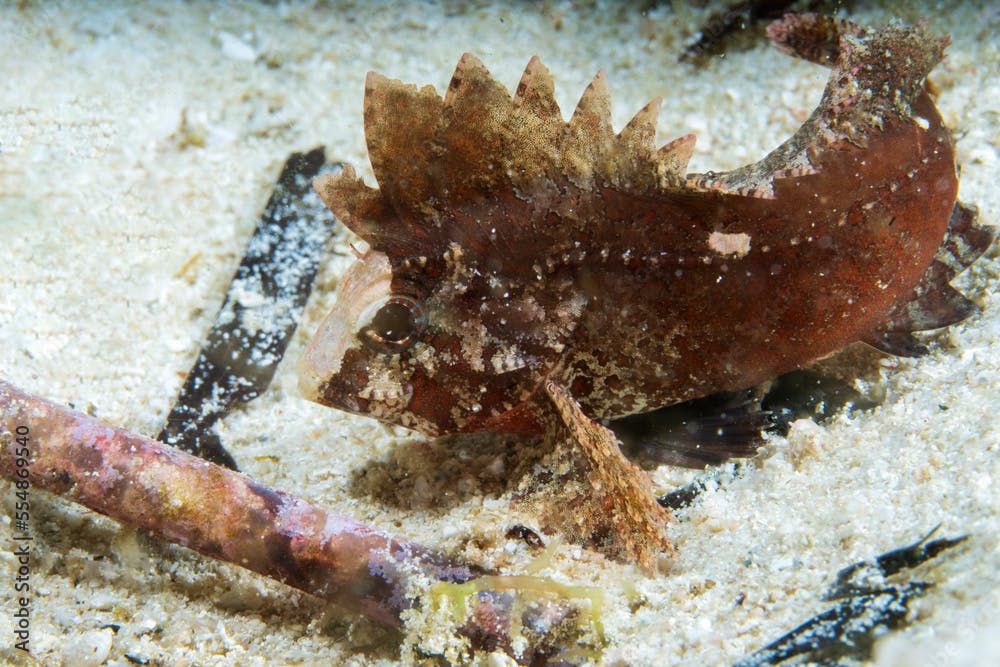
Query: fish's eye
{"x": 393, "y": 323}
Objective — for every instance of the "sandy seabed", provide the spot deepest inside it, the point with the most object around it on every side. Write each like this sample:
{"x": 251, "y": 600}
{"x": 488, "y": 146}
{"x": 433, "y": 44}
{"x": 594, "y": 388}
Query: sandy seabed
{"x": 138, "y": 145}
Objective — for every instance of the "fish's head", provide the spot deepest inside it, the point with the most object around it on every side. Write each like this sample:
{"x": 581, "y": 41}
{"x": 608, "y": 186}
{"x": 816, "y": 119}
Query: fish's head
{"x": 434, "y": 345}
{"x": 465, "y": 300}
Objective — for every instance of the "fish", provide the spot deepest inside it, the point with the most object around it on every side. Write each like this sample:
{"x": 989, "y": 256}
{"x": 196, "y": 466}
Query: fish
{"x": 530, "y": 275}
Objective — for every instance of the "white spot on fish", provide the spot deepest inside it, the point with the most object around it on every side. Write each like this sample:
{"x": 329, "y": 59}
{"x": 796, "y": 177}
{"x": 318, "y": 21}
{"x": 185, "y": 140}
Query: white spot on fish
{"x": 729, "y": 244}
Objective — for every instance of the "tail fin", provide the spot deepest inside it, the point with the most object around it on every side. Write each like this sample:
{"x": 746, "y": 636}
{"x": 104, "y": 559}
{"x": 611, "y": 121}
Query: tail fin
{"x": 934, "y": 303}
{"x": 877, "y": 75}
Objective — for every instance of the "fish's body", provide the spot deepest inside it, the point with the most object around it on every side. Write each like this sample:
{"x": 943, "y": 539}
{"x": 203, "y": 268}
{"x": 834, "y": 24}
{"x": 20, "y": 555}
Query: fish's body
{"x": 528, "y": 274}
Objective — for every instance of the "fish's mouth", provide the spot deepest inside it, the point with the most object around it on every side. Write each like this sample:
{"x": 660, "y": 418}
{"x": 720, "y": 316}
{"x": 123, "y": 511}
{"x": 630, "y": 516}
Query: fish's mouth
{"x": 333, "y": 370}
{"x": 345, "y": 389}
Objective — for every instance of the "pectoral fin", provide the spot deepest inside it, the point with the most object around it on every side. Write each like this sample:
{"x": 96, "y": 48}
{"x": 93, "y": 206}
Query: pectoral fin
{"x": 592, "y": 494}
{"x": 698, "y": 433}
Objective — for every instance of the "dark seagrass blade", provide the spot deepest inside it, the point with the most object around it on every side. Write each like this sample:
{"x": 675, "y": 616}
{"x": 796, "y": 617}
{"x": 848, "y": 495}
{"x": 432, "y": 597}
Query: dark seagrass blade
{"x": 867, "y": 605}
{"x": 262, "y": 307}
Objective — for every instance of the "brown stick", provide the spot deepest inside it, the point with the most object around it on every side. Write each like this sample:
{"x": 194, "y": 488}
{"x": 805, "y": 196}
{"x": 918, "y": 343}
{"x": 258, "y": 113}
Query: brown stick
{"x": 226, "y": 515}
{"x": 213, "y": 510}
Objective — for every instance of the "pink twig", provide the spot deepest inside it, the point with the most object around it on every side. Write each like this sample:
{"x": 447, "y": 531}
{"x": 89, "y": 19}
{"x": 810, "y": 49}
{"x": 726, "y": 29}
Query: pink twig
{"x": 220, "y": 513}
{"x": 226, "y": 515}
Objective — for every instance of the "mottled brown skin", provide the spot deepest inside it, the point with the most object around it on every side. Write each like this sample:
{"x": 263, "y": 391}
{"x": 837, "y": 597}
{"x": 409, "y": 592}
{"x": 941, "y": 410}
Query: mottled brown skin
{"x": 828, "y": 257}
{"x": 557, "y": 273}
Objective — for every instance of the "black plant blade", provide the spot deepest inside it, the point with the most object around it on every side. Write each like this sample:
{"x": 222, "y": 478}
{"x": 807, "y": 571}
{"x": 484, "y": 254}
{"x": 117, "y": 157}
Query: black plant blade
{"x": 867, "y": 606}
{"x": 263, "y": 305}
{"x": 860, "y": 578}
{"x": 847, "y": 630}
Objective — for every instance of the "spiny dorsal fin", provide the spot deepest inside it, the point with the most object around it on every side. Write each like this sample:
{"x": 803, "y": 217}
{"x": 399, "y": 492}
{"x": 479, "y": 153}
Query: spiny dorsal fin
{"x": 586, "y": 153}
{"x": 672, "y": 159}
{"x": 639, "y": 133}
{"x": 634, "y": 163}
{"x": 355, "y": 204}
{"x": 535, "y": 126}
{"x": 472, "y": 90}
{"x": 591, "y": 120}
{"x": 399, "y": 151}
{"x": 446, "y": 165}
{"x": 536, "y": 92}
{"x": 475, "y": 140}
